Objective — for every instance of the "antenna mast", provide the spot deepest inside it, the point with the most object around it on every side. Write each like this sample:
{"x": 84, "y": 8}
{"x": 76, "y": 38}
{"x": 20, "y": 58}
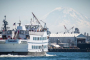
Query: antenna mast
{"x": 5, "y": 24}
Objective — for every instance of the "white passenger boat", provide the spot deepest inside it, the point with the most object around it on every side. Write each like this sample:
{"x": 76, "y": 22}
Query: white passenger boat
{"x": 31, "y": 39}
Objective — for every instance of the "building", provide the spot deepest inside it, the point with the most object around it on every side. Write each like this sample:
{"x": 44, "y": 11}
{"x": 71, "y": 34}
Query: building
{"x": 67, "y": 40}
{"x": 88, "y": 39}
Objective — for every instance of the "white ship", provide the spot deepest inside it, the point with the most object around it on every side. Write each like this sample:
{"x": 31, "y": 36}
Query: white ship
{"x": 31, "y": 39}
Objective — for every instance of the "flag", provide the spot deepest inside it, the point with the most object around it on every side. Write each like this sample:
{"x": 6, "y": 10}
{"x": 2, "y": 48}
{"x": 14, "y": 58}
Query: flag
{"x": 14, "y": 24}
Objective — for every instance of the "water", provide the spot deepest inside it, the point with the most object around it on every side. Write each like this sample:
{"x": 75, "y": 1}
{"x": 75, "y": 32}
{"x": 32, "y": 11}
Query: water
{"x": 51, "y": 56}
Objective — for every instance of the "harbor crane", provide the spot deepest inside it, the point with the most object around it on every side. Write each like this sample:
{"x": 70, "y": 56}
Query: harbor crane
{"x": 66, "y": 30}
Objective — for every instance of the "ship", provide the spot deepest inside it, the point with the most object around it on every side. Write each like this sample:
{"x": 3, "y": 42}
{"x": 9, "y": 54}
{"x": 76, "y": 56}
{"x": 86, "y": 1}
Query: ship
{"x": 30, "y": 39}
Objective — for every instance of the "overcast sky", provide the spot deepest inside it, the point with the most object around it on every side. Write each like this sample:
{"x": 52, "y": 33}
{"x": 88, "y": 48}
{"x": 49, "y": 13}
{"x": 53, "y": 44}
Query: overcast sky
{"x": 21, "y": 9}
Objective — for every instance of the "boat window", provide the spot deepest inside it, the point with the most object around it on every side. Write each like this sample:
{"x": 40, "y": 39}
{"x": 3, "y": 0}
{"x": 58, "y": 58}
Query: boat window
{"x": 27, "y": 27}
{"x": 36, "y": 38}
{"x": 31, "y": 26}
{"x": 37, "y": 26}
{"x": 27, "y": 32}
{"x": 33, "y": 38}
{"x": 9, "y": 32}
{"x": 40, "y": 38}
{"x": 39, "y": 47}
{"x": 21, "y": 32}
{"x": 44, "y": 46}
{"x": 36, "y": 47}
{"x": 34, "y": 27}
{"x": 0, "y": 32}
{"x": 45, "y": 38}
{"x": 32, "y": 46}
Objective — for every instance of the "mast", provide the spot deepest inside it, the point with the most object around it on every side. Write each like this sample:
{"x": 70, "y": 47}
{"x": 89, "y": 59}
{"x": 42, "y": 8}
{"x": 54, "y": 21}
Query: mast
{"x": 19, "y": 23}
{"x": 5, "y": 24}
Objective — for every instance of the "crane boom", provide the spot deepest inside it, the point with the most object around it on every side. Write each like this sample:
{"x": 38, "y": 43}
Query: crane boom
{"x": 66, "y": 29}
{"x": 71, "y": 28}
{"x": 35, "y": 17}
{"x": 37, "y": 20}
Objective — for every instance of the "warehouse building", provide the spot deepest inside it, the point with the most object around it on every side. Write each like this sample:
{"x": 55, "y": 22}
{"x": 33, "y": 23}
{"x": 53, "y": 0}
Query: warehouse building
{"x": 67, "y": 40}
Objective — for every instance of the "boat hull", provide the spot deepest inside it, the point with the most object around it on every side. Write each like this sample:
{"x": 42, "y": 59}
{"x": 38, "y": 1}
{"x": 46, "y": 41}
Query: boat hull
{"x": 24, "y": 53}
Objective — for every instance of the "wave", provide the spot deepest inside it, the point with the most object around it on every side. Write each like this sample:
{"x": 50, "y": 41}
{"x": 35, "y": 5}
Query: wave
{"x": 50, "y": 55}
{"x": 9, "y": 55}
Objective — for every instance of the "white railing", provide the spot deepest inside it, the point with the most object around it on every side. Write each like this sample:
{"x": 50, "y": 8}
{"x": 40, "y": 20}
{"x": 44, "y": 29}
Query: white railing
{"x": 16, "y": 35}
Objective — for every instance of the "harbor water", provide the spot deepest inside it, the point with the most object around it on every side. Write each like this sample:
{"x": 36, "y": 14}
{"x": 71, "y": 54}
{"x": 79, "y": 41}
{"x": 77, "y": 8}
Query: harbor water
{"x": 50, "y": 56}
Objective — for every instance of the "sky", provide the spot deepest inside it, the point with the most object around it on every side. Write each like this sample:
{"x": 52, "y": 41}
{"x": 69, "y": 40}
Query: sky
{"x": 16, "y": 10}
